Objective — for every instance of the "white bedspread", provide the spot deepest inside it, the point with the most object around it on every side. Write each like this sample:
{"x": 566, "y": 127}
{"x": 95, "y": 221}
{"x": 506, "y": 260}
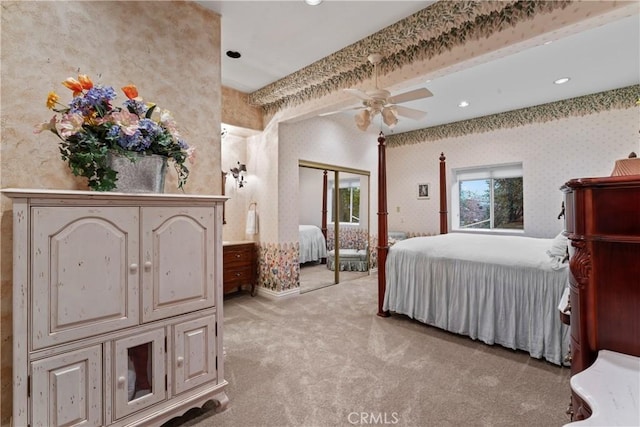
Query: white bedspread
{"x": 313, "y": 245}
{"x": 498, "y": 289}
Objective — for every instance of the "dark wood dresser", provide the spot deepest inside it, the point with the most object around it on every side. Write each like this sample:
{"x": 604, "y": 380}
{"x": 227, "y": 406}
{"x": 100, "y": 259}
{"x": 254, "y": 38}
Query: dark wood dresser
{"x": 239, "y": 265}
{"x": 603, "y": 225}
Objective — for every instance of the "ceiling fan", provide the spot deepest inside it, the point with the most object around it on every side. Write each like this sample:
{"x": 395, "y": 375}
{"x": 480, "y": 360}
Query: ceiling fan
{"x": 380, "y": 101}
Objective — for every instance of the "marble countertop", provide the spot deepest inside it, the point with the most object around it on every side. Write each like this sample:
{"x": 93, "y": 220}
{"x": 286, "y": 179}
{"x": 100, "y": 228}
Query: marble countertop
{"x": 611, "y": 388}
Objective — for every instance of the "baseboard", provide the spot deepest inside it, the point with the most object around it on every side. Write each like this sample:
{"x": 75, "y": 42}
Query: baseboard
{"x": 274, "y": 295}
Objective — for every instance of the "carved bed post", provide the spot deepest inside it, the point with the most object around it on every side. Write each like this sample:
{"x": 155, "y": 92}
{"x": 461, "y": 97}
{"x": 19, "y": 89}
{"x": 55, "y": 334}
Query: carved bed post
{"x": 324, "y": 204}
{"x": 383, "y": 243}
{"x": 444, "y": 228}
{"x": 324, "y": 210}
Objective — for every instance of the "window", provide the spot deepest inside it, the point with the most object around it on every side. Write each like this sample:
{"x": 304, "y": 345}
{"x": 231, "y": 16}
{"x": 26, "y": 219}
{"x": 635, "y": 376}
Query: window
{"x": 349, "y": 195}
{"x": 489, "y": 198}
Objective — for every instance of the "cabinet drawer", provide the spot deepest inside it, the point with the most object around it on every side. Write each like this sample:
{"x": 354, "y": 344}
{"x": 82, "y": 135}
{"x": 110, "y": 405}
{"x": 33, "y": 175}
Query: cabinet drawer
{"x": 237, "y": 276}
{"x": 242, "y": 255}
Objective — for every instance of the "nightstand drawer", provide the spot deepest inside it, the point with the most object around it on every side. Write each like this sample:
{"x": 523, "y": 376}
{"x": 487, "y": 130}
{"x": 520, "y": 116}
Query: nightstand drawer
{"x": 239, "y": 265}
{"x": 237, "y": 258}
{"x": 237, "y": 276}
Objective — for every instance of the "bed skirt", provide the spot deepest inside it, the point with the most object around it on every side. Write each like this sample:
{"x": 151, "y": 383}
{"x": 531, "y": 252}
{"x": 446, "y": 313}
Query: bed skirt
{"x": 511, "y": 306}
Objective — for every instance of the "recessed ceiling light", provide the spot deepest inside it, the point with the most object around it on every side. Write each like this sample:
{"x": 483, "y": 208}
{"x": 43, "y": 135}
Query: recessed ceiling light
{"x": 463, "y": 104}
{"x": 313, "y": 2}
{"x": 233, "y": 54}
{"x": 562, "y": 80}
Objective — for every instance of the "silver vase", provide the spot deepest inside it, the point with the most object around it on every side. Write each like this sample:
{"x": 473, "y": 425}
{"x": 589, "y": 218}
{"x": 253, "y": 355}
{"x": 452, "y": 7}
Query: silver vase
{"x": 143, "y": 175}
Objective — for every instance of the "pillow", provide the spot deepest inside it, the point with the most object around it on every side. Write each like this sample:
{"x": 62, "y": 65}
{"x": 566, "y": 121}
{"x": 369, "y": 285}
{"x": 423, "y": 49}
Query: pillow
{"x": 397, "y": 235}
{"x": 559, "y": 246}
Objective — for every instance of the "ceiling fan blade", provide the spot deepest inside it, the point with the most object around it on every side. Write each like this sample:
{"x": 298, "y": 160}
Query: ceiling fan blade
{"x": 410, "y": 96}
{"x": 341, "y": 111}
{"x": 359, "y": 94}
{"x": 410, "y": 113}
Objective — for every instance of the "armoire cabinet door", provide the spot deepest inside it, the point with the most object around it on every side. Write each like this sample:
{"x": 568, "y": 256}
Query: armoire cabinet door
{"x": 178, "y": 266}
{"x": 84, "y": 272}
{"x": 194, "y": 353}
{"x": 69, "y": 389}
{"x": 140, "y": 362}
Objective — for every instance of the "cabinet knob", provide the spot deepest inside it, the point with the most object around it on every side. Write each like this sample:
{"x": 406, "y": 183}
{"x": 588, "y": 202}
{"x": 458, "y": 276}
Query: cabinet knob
{"x": 238, "y": 255}
{"x": 147, "y": 265}
{"x": 133, "y": 268}
{"x": 180, "y": 360}
{"x": 121, "y": 381}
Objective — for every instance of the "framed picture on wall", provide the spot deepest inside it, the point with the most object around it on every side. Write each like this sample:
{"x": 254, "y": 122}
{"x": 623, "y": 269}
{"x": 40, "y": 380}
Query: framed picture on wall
{"x": 423, "y": 191}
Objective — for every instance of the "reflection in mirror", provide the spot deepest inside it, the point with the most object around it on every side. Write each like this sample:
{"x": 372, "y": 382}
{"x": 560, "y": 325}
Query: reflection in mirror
{"x": 312, "y": 220}
{"x": 349, "y": 202}
{"x": 344, "y": 208}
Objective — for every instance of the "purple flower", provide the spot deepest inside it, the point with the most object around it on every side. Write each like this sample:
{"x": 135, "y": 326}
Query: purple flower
{"x": 137, "y": 107}
{"x": 150, "y": 128}
{"x": 97, "y": 98}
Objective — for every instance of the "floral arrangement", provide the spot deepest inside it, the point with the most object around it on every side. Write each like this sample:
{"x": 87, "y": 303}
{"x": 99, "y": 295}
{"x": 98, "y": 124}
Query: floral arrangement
{"x": 91, "y": 128}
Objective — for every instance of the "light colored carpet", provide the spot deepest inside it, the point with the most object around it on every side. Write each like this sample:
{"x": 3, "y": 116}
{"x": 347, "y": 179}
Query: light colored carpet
{"x": 325, "y": 359}
{"x": 316, "y": 276}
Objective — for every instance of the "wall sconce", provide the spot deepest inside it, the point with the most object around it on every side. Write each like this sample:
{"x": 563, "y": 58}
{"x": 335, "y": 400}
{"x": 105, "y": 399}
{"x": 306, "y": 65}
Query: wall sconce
{"x": 238, "y": 174}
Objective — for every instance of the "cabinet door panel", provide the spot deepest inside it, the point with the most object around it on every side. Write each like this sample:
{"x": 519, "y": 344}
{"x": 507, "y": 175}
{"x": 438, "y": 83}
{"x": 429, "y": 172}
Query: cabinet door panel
{"x": 69, "y": 389}
{"x": 139, "y": 374}
{"x": 178, "y": 273}
{"x": 84, "y": 274}
{"x": 194, "y": 355}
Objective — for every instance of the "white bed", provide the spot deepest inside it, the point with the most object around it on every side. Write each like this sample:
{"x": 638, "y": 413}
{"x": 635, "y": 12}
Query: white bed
{"x": 313, "y": 246}
{"x": 498, "y": 289}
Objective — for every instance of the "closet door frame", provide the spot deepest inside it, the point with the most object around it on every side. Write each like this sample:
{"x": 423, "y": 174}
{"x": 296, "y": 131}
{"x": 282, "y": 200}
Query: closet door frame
{"x": 336, "y": 170}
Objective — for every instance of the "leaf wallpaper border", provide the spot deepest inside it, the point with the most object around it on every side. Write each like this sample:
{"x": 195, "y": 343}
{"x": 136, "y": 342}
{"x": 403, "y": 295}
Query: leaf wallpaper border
{"x": 622, "y": 98}
{"x": 427, "y": 33}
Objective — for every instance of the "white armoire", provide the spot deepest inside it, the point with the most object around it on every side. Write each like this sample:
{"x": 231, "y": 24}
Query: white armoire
{"x": 117, "y": 307}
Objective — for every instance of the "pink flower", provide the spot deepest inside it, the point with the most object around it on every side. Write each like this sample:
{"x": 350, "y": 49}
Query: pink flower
{"x": 166, "y": 119}
{"x": 191, "y": 154}
{"x": 127, "y": 121}
{"x": 50, "y": 125}
{"x": 70, "y": 124}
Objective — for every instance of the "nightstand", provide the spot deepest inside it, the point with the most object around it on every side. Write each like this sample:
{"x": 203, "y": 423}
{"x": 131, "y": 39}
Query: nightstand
{"x": 239, "y": 265}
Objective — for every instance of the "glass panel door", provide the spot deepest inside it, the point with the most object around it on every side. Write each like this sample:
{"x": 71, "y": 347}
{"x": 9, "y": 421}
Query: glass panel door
{"x": 139, "y": 372}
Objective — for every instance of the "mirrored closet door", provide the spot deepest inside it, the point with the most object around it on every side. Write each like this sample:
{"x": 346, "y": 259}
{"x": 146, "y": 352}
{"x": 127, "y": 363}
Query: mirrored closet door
{"x": 335, "y": 200}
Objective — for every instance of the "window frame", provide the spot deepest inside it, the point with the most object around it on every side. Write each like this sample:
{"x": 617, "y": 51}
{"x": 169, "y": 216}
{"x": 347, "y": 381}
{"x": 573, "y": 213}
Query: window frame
{"x": 485, "y": 172}
{"x": 350, "y": 183}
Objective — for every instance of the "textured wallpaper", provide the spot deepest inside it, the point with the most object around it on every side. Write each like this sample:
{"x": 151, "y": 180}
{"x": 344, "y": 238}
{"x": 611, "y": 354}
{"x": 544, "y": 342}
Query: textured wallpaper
{"x": 158, "y": 46}
{"x": 551, "y": 154}
{"x": 330, "y": 140}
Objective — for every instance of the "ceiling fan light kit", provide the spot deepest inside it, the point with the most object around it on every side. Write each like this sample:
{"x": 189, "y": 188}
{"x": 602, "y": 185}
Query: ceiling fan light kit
{"x": 390, "y": 117}
{"x": 363, "y": 120}
{"x": 378, "y": 100}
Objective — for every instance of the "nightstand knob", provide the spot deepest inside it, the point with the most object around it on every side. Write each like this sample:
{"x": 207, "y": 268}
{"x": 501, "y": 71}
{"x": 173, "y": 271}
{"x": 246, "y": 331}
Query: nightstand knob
{"x": 147, "y": 265}
{"x": 133, "y": 268}
{"x": 180, "y": 360}
{"x": 121, "y": 381}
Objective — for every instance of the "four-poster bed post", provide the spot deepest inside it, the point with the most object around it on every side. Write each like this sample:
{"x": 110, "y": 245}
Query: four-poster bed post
{"x": 444, "y": 227}
{"x": 324, "y": 209}
{"x": 383, "y": 243}
{"x": 324, "y": 204}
